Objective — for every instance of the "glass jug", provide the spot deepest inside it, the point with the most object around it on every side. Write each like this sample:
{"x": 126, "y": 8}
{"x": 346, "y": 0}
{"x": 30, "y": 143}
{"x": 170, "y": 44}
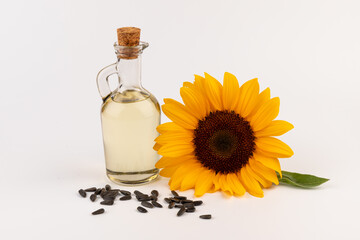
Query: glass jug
{"x": 129, "y": 117}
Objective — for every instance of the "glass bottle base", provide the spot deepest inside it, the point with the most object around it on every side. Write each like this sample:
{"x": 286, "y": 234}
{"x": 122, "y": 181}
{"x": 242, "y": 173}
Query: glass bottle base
{"x": 133, "y": 178}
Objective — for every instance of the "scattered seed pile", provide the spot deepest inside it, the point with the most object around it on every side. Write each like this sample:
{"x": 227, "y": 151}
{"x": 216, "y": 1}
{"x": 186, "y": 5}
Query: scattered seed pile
{"x": 109, "y": 196}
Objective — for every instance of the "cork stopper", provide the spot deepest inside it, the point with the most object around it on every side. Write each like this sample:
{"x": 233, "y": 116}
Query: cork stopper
{"x": 128, "y": 36}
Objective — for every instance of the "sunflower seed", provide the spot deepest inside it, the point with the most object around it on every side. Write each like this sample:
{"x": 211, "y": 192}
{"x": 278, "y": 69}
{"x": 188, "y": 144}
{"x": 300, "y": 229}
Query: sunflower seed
{"x": 108, "y": 198}
{"x": 82, "y": 193}
{"x": 107, "y": 187}
{"x": 181, "y": 211}
{"x": 147, "y": 204}
{"x": 99, "y": 211}
{"x": 156, "y": 204}
{"x": 111, "y": 193}
{"x": 107, "y": 202}
{"x": 206, "y": 216}
{"x": 186, "y": 201}
{"x": 175, "y": 200}
{"x": 124, "y": 192}
{"x": 138, "y": 193}
{"x": 180, "y": 198}
{"x": 175, "y": 193}
{"x": 141, "y": 209}
{"x": 190, "y": 210}
{"x": 143, "y": 198}
{"x": 178, "y": 205}
{"x": 168, "y": 200}
{"x": 103, "y": 192}
{"x": 189, "y": 205}
{"x": 98, "y": 191}
{"x": 155, "y": 193}
{"x": 171, "y": 205}
{"x": 92, "y": 189}
{"x": 126, "y": 197}
{"x": 93, "y": 197}
{"x": 198, "y": 203}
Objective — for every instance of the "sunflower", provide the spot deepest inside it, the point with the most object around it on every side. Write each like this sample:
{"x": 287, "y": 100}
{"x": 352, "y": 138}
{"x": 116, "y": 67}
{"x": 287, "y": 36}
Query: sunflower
{"x": 222, "y": 138}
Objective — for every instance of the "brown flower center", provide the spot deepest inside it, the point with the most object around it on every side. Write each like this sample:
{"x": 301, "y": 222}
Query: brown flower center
{"x": 224, "y": 142}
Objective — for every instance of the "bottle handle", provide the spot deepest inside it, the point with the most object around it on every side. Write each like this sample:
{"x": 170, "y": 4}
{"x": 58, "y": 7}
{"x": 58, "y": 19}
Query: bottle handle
{"x": 102, "y": 80}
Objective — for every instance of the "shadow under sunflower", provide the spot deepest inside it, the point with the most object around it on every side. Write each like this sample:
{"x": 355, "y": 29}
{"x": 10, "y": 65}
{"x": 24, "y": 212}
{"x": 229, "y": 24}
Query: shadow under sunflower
{"x": 222, "y": 139}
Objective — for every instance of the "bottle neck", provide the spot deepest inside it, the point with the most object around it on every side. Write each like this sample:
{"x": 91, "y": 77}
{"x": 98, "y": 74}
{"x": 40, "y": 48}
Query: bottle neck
{"x": 129, "y": 72}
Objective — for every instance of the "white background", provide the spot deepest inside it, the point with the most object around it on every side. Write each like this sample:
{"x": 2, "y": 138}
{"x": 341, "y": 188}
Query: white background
{"x": 307, "y": 52}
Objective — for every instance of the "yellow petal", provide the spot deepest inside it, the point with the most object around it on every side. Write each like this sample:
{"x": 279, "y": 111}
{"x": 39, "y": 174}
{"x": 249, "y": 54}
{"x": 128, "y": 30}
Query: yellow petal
{"x": 266, "y": 113}
{"x": 230, "y": 91}
{"x": 178, "y": 176}
{"x": 269, "y": 162}
{"x": 169, "y": 127}
{"x": 273, "y": 147}
{"x": 178, "y": 113}
{"x": 199, "y": 88}
{"x": 212, "y": 189}
{"x": 156, "y": 147}
{"x": 251, "y": 185}
{"x": 175, "y": 181}
{"x": 164, "y": 162}
{"x": 204, "y": 183}
{"x": 264, "y": 182}
{"x": 168, "y": 137}
{"x": 216, "y": 182}
{"x": 263, "y": 171}
{"x": 171, "y": 101}
{"x": 199, "y": 84}
{"x": 168, "y": 171}
{"x": 248, "y": 92}
{"x": 188, "y": 84}
{"x": 224, "y": 185}
{"x": 275, "y": 128}
{"x": 235, "y": 184}
{"x": 194, "y": 101}
{"x": 169, "y": 161}
{"x": 213, "y": 91}
{"x": 191, "y": 177}
{"x": 262, "y": 98}
{"x": 199, "y": 81}
{"x": 176, "y": 150}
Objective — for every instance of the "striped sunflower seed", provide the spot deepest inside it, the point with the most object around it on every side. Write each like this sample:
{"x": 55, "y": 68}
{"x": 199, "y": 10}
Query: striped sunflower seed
{"x": 107, "y": 202}
{"x": 155, "y": 193}
{"x": 93, "y": 197}
{"x": 181, "y": 211}
{"x": 99, "y": 211}
{"x": 124, "y": 192}
{"x": 82, "y": 193}
{"x": 141, "y": 209}
{"x": 206, "y": 216}
{"x": 147, "y": 204}
{"x": 156, "y": 204}
{"x": 126, "y": 197}
{"x": 92, "y": 189}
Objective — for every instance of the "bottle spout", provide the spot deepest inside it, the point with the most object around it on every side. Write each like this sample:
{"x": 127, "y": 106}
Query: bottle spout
{"x": 129, "y": 52}
{"x": 144, "y": 45}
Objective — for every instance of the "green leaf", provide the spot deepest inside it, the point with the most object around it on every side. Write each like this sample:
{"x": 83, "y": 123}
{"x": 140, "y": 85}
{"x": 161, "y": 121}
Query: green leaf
{"x": 300, "y": 180}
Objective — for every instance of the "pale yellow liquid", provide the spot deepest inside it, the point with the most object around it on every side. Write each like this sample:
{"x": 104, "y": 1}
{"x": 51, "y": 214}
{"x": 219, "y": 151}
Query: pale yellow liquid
{"x": 129, "y": 122}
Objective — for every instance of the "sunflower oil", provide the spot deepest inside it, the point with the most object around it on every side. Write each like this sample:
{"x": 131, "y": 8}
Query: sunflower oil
{"x": 129, "y": 120}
